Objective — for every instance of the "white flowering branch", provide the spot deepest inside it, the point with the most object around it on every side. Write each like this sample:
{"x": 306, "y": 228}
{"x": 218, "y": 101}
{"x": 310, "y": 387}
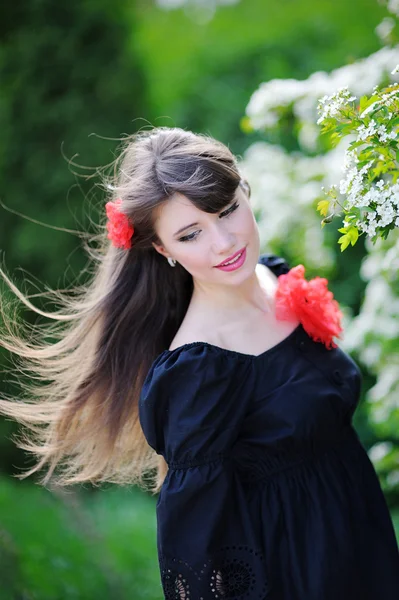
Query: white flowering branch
{"x": 369, "y": 189}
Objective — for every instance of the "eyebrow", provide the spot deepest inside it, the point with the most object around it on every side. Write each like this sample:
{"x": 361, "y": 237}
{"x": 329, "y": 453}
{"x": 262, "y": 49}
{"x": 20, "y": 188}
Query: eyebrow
{"x": 192, "y": 224}
{"x": 184, "y": 228}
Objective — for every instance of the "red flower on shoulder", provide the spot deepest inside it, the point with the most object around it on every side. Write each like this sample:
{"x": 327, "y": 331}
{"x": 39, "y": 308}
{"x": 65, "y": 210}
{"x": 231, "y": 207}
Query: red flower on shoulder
{"x": 311, "y": 303}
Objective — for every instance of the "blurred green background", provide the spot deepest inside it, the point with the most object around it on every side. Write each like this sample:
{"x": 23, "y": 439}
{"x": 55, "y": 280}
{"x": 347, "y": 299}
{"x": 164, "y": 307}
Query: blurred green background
{"x": 75, "y": 77}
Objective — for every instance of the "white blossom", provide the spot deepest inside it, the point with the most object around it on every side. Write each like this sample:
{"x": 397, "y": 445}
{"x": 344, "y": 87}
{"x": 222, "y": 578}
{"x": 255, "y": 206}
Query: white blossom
{"x": 379, "y": 451}
{"x": 330, "y": 106}
{"x": 385, "y": 28}
{"x": 286, "y": 188}
{"x": 303, "y": 96}
{"x": 393, "y": 7}
{"x": 264, "y": 103}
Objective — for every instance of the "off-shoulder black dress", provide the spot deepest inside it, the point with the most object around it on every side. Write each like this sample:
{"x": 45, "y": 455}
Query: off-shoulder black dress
{"x": 269, "y": 495}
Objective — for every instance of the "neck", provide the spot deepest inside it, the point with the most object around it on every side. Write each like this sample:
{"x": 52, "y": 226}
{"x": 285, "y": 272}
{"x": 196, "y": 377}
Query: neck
{"x": 253, "y": 294}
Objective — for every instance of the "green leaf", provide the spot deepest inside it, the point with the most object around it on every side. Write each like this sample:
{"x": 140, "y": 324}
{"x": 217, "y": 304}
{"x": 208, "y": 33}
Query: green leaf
{"x": 378, "y": 170}
{"x": 355, "y": 144}
{"x": 382, "y": 150}
{"x": 345, "y": 128}
{"x": 344, "y": 241}
{"x": 334, "y": 139}
{"x": 368, "y": 102}
{"x": 353, "y": 234}
{"x": 363, "y": 103}
{"x": 323, "y": 207}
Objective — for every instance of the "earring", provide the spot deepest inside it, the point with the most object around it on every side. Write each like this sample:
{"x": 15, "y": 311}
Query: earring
{"x": 171, "y": 261}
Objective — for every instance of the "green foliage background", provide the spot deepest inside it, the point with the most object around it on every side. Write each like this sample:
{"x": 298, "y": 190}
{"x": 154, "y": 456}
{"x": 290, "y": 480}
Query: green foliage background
{"x": 75, "y": 77}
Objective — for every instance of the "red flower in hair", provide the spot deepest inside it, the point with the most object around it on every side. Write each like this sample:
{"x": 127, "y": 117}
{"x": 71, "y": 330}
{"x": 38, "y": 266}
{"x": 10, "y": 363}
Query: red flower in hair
{"x": 120, "y": 228}
{"x": 311, "y": 303}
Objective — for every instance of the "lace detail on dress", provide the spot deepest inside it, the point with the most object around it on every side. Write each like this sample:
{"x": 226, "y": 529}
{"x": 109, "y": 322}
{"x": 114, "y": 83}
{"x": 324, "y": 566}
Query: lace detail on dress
{"x": 234, "y": 573}
{"x": 174, "y": 578}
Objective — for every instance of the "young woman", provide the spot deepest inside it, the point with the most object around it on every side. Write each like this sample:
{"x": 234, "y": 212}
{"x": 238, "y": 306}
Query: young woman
{"x": 191, "y": 354}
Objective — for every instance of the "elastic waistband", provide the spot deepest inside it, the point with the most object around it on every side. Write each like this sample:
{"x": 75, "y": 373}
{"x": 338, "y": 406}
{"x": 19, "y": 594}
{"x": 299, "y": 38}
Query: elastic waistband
{"x": 270, "y": 463}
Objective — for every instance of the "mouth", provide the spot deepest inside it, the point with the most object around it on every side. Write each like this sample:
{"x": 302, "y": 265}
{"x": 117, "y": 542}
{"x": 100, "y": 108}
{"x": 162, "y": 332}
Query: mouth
{"x": 232, "y": 259}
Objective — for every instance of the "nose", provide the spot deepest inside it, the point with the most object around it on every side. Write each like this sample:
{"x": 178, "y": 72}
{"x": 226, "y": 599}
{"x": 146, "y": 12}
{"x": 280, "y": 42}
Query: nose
{"x": 223, "y": 241}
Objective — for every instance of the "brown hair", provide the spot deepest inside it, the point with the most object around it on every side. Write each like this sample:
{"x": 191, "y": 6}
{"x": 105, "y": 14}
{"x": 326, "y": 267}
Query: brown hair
{"x": 81, "y": 417}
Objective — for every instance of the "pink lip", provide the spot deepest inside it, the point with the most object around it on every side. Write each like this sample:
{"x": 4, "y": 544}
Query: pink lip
{"x": 230, "y": 257}
{"x": 236, "y": 265}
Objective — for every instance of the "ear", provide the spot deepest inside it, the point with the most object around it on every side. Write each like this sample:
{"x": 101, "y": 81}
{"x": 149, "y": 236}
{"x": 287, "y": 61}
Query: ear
{"x": 160, "y": 249}
{"x": 245, "y": 187}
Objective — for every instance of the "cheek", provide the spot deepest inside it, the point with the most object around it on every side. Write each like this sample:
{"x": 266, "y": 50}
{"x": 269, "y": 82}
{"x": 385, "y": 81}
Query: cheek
{"x": 193, "y": 257}
{"x": 247, "y": 221}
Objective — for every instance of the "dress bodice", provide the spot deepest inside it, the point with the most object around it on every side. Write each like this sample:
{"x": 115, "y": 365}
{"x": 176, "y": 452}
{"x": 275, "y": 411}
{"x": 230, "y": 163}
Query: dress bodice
{"x": 269, "y": 493}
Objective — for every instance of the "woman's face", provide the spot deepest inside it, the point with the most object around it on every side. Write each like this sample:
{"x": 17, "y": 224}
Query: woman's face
{"x": 199, "y": 241}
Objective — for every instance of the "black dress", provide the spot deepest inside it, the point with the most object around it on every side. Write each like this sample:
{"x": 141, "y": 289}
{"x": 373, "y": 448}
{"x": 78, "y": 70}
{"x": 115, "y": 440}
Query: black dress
{"x": 269, "y": 495}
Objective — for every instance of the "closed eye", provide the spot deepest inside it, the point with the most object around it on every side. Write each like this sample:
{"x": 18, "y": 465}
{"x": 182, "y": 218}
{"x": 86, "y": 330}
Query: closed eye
{"x": 228, "y": 212}
{"x": 225, "y": 213}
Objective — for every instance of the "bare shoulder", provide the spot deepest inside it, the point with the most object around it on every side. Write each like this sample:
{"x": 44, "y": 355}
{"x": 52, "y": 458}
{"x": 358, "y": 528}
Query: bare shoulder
{"x": 187, "y": 335}
{"x": 195, "y": 327}
{"x": 266, "y": 275}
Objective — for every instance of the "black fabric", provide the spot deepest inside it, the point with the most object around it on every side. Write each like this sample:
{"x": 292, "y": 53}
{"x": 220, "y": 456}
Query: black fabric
{"x": 270, "y": 495}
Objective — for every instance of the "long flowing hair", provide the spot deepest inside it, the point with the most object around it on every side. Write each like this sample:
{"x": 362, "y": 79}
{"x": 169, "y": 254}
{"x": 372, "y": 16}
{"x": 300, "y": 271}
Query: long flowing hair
{"x": 79, "y": 404}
